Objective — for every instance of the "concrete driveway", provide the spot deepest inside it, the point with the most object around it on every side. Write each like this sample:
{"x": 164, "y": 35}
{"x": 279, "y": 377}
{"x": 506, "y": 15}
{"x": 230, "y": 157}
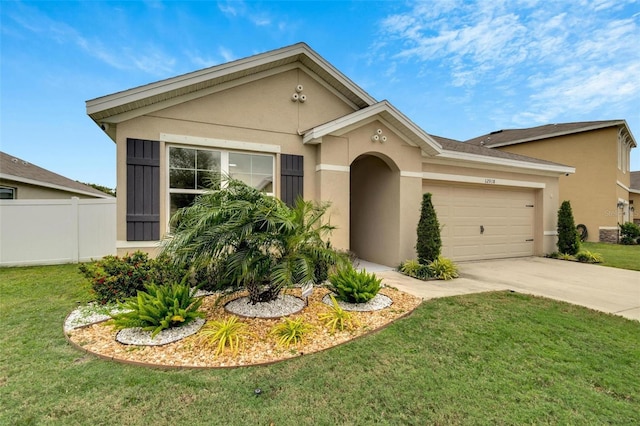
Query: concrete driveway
{"x": 605, "y": 289}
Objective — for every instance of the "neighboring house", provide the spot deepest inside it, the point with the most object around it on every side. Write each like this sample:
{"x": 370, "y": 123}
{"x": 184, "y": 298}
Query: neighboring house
{"x": 289, "y": 123}
{"x": 20, "y": 180}
{"x": 634, "y": 197}
{"x": 599, "y": 190}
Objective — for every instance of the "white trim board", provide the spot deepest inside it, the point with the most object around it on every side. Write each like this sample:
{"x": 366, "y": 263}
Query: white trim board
{"x": 332, "y": 168}
{"x": 489, "y": 181}
{"x": 411, "y": 174}
{"x": 220, "y": 143}
{"x": 464, "y": 156}
{"x": 135, "y": 244}
{"x": 623, "y": 186}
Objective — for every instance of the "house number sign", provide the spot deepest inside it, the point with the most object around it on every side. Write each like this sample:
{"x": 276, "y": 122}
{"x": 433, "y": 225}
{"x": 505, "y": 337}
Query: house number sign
{"x": 490, "y": 181}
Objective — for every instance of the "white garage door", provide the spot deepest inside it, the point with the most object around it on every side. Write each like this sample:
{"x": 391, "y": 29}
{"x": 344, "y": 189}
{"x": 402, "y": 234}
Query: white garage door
{"x": 483, "y": 223}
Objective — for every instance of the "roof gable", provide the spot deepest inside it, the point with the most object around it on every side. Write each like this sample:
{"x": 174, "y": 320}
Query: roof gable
{"x": 515, "y": 136}
{"x": 383, "y": 111}
{"x": 16, "y": 169}
{"x": 199, "y": 83}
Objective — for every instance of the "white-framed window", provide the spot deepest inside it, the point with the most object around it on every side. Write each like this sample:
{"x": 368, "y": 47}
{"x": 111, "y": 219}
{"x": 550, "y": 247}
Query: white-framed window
{"x": 194, "y": 169}
{"x": 7, "y": 193}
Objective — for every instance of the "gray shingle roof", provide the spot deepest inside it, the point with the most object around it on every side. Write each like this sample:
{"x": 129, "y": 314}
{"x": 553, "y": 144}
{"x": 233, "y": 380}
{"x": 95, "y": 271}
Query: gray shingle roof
{"x": 514, "y": 136}
{"x": 454, "y": 145}
{"x": 21, "y": 170}
{"x": 635, "y": 181}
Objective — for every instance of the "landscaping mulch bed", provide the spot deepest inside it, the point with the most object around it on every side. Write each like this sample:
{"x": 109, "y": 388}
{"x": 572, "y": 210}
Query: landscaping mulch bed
{"x": 258, "y": 348}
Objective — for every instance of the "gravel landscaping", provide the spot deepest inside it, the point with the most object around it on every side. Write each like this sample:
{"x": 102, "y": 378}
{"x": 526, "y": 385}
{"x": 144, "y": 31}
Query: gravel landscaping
{"x": 259, "y": 347}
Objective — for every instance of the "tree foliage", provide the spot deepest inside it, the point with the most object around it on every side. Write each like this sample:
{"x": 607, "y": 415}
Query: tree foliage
{"x": 252, "y": 240}
{"x": 568, "y": 237}
{"x": 429, "y": 242}
{"x": 102, "y": 188}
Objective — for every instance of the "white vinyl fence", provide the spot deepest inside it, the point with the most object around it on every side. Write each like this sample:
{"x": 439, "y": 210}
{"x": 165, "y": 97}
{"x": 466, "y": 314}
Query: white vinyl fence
{"x": 46, "y": 232}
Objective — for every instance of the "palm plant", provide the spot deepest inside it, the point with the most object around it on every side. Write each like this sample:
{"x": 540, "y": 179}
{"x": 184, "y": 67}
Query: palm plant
{"x": 252, "y": 240}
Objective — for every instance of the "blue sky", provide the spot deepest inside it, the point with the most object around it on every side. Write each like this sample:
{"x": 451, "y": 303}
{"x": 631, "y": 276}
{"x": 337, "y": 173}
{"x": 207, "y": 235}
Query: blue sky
{"x": 458, "y": 69}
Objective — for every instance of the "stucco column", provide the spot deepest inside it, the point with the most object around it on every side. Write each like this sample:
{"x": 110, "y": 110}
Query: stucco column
{"x": 410, "y": 204}
{"x": 333, "y": 186}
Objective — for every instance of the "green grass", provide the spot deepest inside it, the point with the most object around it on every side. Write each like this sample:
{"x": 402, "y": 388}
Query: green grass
{"x": 494, "y": 358}
{"x": 616, "y": 255}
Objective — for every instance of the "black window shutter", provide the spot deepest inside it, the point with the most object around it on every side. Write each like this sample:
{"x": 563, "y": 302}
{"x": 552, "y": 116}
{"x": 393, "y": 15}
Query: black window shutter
{"x": 143, "y": 190}
{"x": 291, "y": 178}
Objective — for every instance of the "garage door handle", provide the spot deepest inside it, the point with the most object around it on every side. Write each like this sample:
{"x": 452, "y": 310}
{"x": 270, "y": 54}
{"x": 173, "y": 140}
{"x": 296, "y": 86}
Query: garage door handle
{"x": 481, "y": 229}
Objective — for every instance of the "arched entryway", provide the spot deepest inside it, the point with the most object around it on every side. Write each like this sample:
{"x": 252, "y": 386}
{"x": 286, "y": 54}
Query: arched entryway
{"x": 374, "y": 209}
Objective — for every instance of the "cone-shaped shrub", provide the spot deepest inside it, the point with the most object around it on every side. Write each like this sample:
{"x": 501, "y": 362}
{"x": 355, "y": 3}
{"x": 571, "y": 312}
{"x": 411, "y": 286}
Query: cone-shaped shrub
{"x": 429, "y": 242}
{"x": 568, "y": 238}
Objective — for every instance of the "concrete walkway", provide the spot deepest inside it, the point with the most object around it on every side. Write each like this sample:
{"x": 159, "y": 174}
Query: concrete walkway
{"x": 605, "y": 289}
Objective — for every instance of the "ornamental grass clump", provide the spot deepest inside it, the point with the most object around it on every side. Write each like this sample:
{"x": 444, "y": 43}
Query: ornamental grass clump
{"x": 291, "y": 331}
{"x": 159, "y": 308}
{"x": 337, "y": 318}
{"x": 443, "y": 268}
{"x": 589, "y": 257}
{"x": 354, "y": 286}
{"x": 415, "y": 269}
{"x": 223, "y": 333}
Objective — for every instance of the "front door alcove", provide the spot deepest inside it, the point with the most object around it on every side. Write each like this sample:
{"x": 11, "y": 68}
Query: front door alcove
{"x": 374, "y": 209}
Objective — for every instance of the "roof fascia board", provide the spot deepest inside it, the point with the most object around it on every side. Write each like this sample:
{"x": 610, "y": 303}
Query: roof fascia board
{"x": 625, "y": 187}
{"x": 482, "y": 180}
{"x": 327, "y": 86}
{"x": 138, "y": 112}
{"x": 51, "y": 185}
{"x": 364, "y": 122}
{"x": 556, "y": 134}
{"x": 346, "y": 123}
{"x": 154, "y": 89}
{"x": 436, "y": 148}
{"x": 335, "y": 73}
{"x": 452, "y": 156}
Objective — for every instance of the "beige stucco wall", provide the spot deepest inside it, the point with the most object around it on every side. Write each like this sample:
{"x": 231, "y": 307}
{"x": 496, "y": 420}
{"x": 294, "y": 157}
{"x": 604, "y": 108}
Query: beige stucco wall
{"x": 593, "y": 190}
{"x": 258, "y": 112}
{"x": 375, "y": 189}
{"x": 34, "y": 192}
{"x": 375, "y": 204}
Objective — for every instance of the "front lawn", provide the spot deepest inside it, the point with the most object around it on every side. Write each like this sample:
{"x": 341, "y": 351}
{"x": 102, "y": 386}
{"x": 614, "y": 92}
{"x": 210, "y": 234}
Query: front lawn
{"x": 616, "y": 255}
{"x": 493, "y": 358}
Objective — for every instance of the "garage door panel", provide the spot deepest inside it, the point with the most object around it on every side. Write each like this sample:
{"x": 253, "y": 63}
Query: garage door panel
{"x": 505, "y": 215}
{"x": 464, "y": 231}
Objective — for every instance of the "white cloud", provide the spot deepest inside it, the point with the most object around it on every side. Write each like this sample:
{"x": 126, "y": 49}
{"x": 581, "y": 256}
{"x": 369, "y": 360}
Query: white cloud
{"x": 239, "y": 9}
{"x": 231, "y": 8}
{"x": 150, "y": 59}
{"x": 547, "y": 58}
{"x": 153, "y": 61}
